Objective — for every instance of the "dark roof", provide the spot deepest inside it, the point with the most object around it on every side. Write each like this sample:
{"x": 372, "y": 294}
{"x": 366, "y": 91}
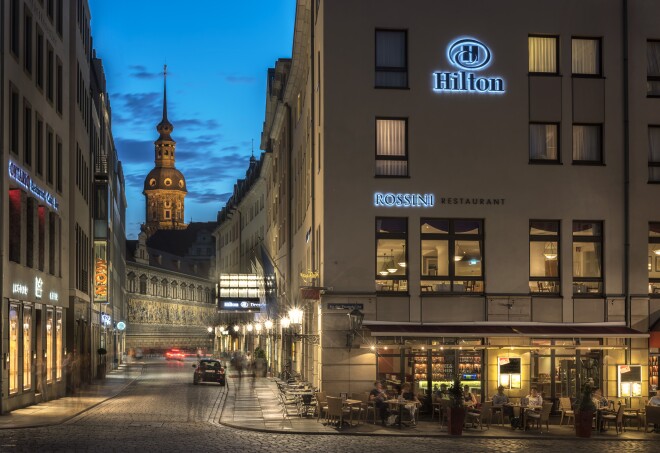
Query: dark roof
{"x": 475, "y": 330}
{"x": 178, "y": 242}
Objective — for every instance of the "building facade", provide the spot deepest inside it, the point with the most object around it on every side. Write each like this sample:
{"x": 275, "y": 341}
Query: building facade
{"x": 480, "y": 185}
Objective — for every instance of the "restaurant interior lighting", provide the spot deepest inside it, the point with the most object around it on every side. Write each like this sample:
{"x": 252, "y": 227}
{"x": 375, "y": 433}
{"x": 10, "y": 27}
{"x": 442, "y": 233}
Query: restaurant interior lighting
{"x": 656, "y": 250}
{"x": 402, "y": 259}
{"x": 550, "y": 251}
{"x": 383, "y": 271}
{"x": 459, "y": 255}
{"x": 391, "y": 267}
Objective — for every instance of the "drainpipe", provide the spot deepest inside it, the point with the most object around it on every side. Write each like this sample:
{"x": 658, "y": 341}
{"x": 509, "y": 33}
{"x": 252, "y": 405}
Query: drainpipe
{"x": 312, "y": 58}
{"x": 2, "y": 153}
{"x": 626, "y": 176}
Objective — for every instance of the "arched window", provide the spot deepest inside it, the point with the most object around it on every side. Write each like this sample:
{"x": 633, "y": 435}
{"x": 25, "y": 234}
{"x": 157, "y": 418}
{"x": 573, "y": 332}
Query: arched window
{"x": 175, "y": 290}
{"x": 164, "y": 287}
{"x": 143, "y": 284}
{"x": 200, "y": 293}
{"x": 154, "y": 286}
{"x": 207, "y": 292}
{"x": 131, "y": 282}
{"x": 184, "y": 291}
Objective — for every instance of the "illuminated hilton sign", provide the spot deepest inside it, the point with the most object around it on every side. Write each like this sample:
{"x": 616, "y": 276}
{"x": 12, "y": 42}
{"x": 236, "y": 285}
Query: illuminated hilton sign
{"x": 468, "y": 55}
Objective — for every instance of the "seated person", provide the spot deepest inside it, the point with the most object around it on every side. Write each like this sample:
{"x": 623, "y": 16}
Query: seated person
{"x": 534, "y": 398}
{"x": 378, "y": 397}
{"x": 442, "y": 393}
{"x": 599, "y": 400}
{"x": 500, "y": 399}
{"x": 409, "y": 395}
{"x": 469, "y": 399}
{"x": 655, "y": 401}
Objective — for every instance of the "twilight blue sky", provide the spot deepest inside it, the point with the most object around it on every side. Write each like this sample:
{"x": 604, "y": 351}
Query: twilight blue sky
{"x": 217, "y": 54}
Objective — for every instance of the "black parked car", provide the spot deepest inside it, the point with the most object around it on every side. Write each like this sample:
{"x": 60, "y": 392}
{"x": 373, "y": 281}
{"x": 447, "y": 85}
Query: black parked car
{"x": 209, "y": 370}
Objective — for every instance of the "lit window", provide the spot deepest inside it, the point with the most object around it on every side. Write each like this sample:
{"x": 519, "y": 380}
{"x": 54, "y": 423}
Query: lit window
{"x": 544, "y": 142}
{"x": 587, "y": 143}
{"x": 585, "y": 56}
{"x": 543, "y": 54}
{"x": 654, "y": 258}
{"x": 13, "y": 349}
{"x": 544, "y": 255}
{"x": 391, "y": 59}
{"x": 27, "y": 348}
{"x": 587, "y": 257}
{"x": 391, "y": 147}
{"x": 391, "y": 258}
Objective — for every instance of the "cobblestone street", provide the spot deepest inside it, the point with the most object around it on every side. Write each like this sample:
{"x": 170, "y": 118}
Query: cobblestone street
{"x": 163, "y": 411}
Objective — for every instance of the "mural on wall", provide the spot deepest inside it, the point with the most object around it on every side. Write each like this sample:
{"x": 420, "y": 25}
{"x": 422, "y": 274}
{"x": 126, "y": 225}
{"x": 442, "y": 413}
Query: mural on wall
{"x": 150, "y": 312}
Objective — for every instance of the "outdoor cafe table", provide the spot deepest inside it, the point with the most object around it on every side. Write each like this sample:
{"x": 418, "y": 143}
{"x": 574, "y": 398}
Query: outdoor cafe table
{"x": 350, "y": 404}
{"x": 299, "y": 394}
{"x": 522, "y": 411}
{"x": 401, "y": 404}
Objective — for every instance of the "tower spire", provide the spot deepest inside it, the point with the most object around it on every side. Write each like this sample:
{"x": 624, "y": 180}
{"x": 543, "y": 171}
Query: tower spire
{"x": 165, "y": 92}
{"x": 165, "y": 128}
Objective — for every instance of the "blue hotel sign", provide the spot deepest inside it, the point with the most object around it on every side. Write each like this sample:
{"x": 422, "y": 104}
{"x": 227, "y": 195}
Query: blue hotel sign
{"x": 468, "y": 55}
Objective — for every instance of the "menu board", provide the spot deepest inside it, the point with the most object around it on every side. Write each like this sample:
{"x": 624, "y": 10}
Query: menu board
{"x": 509, "y": 372}
{"x": 630, "y": 380}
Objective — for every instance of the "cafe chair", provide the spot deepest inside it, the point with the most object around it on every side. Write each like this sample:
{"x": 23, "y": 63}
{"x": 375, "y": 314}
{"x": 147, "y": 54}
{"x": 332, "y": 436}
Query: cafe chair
{"x": 634, "y": 414}
{"x": 652, "y": 417}
{"x": 445, "y": 406}
{"x": 617, "y": 418}
{"x": 566, "y": 411}
{"x": 497, "y": 411}
{"x": 321, "y": 405}
{"x": 337, "y": 411}
{"x": 539, "y": 418}
{"x": 485, "y": 414}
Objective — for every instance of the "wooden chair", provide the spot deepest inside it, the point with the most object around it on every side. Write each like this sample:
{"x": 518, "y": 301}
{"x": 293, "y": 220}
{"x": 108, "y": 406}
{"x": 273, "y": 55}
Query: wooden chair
{"x": 616, "y": 418}
{"x": 497, "y": 411}
{"x": 321, "y": 405}
{"x": 336, "y": 411}
{"x": 566, "y": 410}
{"x": 652, "y": 417}
{"x": 360, "y": 410}
{"x": 539, "y": 418}
{"x": 479, "y": 417}
{"x": 445, "y": 405}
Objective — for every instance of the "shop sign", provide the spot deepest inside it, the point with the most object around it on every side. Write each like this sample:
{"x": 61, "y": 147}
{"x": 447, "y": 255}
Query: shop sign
{"x": 23, "y": 178}
{"x": 101, "y": 281}
{"x": 54, "y": 296}
{"x": 121, "y": 325}
{"x": 38, "y": 287}
{"x": 106, "y": 319}
{"x": 468, "y": 55}
{"x": 19, "y": 288}
{"x": 624, "y": 368}
{"x": 404, "y": 200}
{"x": 504, "y": 361}
{"x": 345, "y": 306}
{"x": 240, "y": 305}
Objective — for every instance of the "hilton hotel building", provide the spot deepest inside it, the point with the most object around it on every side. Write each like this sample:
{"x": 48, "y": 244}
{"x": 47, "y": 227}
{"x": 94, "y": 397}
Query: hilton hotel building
{"x": 480, "y": 180}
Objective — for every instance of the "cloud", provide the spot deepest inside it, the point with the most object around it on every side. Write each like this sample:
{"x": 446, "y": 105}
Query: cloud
{"x": 239, "y": 79}
{"x": 230, "y": 148}
{"x": 137, "y": 108}
{"x": 140, "y": 72}
{"x": 195, "y": 123}
{"x": 133, "y": 151}
{"x": 216, "y": 198}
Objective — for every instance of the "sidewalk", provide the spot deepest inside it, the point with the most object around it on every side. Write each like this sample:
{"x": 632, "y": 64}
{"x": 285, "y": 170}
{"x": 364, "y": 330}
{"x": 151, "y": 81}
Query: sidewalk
{"x": 252, "y": 404}
{"x": 60, "y": 410}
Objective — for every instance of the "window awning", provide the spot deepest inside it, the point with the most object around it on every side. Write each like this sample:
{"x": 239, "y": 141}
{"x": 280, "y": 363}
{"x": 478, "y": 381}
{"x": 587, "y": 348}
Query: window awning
{"x": 473, "y": 330}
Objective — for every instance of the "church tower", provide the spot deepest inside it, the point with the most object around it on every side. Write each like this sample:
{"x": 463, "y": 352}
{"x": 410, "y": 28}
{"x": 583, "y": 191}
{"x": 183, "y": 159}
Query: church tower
{"x": 164, "y": 186}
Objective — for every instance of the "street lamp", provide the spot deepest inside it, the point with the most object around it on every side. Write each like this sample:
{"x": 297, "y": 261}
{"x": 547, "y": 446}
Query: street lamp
{"x": 355, "y": 318}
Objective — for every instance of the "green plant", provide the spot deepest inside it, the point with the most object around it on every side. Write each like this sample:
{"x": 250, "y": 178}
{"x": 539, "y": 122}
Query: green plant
{"x": 455, "y": 392}
{"x": 585, "y": 403}
{"x": 259, "y": 353}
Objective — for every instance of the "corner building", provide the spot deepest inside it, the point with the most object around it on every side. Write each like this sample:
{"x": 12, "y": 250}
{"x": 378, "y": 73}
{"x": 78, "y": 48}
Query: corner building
{"x": 481, "y": 182}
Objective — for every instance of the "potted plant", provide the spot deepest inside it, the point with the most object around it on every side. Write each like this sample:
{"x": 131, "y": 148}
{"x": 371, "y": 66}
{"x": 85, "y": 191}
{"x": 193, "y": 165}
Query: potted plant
{"x": 260, "y": 362}
{"x": 100, "y": 370}
{"x": 456, "y": 416}
{"x": 584, "y": 412}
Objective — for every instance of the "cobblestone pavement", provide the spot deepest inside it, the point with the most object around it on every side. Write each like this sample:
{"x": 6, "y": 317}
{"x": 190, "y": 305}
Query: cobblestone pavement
{"x": 162, "y": 411}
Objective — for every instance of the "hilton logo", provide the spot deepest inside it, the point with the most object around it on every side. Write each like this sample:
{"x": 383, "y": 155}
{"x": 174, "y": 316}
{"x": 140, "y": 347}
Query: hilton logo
{"x": 470, "y": 55}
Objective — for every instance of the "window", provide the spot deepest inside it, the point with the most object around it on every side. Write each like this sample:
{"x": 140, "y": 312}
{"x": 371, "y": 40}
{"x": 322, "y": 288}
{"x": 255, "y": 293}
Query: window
{"x": 40, "y": 58}
{"x": 27, "y": 133}
{"x": 654, "y": 153}
{"x": 587, "y": 143}
{"x": 27, "y": 42}
{"x": 13, "y": 348}
{"x": 653, "y": 68}
{"x": 587, "y": 257}
{"x": 40, "y": 146}
{"x": 391, "y": 260}
{"x": 544, "y": 143}
{"x": 30, "y": 215}
{"x": 60, "y": 17}
{"x": 49, "y": 346}
{"x": 451, "y": 253}
{"x": 41, "y": 210}
{"x": 58, "y": 345}
{"x": 14, "y": 16}
{"x": 143, "y": 284}
{"x": 50, "y": 73}
{"x": 164, "y": 287}
{"x": 58, "y": 165}
{"x": 27, "y": 348}
{"x": 59, "y": 90}
{"x": 130, "y": 280}
{"x": 544, "y": 256}
{"x": 586, "y": 57}
{"x": 13, "y": 120}
{"x": 654, "y": 258}
{"x": 50, "y": 9}
{"x": 49, "y": 155}
{"x": 391, "y": 59}
{"x": 15, "y": 199}
{"x": 154, "y": 286}
{"x": 543, "y": 54}
{"x": 391, "y": 147}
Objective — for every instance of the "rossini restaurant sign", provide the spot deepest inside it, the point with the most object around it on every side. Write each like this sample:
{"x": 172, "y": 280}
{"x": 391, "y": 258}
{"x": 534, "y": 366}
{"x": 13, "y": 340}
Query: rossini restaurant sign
{"x": 428, "y": 200}
{"x": 469, "y": 56}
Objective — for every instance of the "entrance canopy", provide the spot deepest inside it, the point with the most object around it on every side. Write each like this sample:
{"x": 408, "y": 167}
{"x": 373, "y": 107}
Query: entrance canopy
{"x": 478, "y": 330}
